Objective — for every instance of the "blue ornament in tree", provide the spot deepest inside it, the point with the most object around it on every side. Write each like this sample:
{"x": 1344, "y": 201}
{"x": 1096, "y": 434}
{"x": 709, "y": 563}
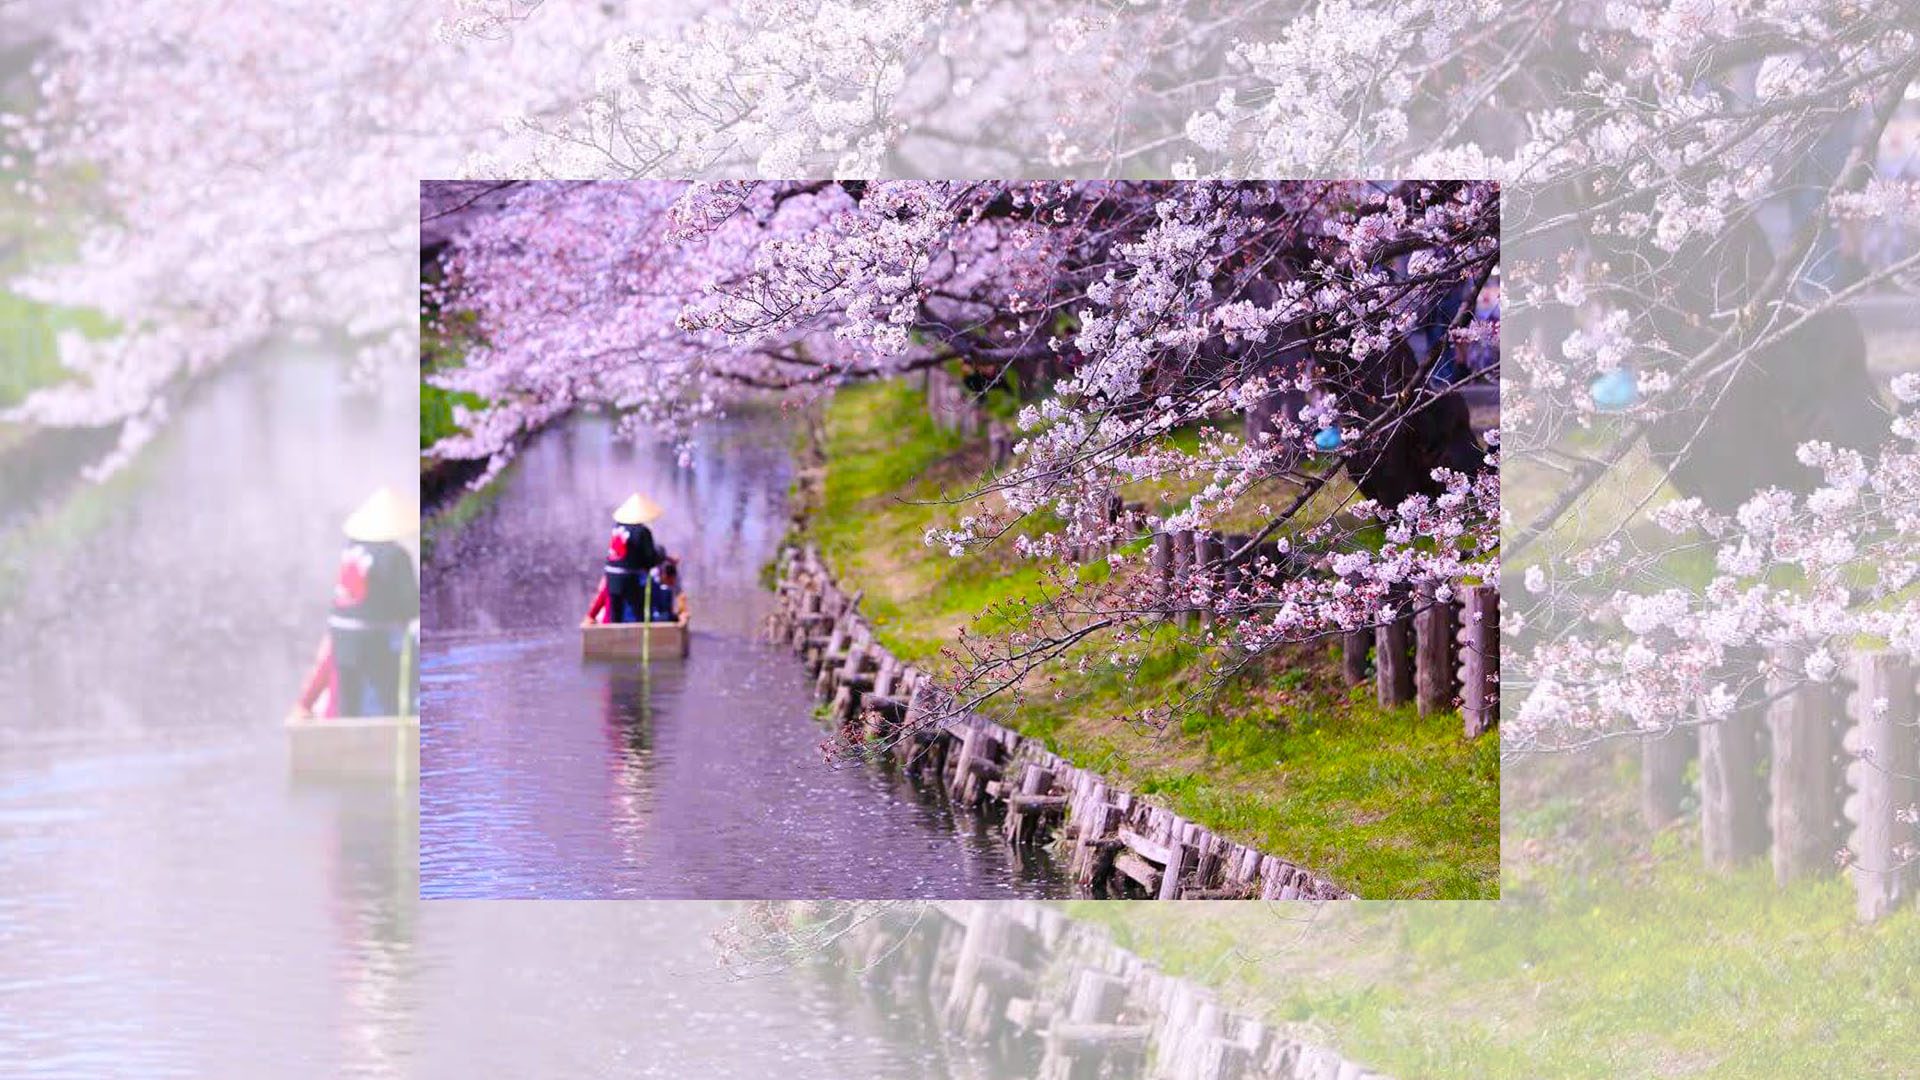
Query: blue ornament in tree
{"x": 1615, "y": 390}
{"x": 1327, "y": 438}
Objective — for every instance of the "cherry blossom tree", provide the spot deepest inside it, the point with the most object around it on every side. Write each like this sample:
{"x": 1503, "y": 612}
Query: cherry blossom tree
{"x": 1680, "y": 183}
{"x": 1160, "y": 306}
{"x": 1683, "y": 183}
{"x": 233, "y": 173}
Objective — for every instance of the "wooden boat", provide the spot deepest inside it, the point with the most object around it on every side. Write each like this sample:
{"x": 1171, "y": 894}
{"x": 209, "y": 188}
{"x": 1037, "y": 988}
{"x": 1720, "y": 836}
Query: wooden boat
{"x": 369, "y": 747}
{"x": 632, "y": 641}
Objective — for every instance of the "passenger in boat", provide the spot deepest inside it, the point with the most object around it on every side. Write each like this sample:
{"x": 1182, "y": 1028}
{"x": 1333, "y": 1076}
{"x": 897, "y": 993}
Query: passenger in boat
{"x": 631, "y": 556}
{"x": 666, "y": 592}
{"x": 376, "y": 596}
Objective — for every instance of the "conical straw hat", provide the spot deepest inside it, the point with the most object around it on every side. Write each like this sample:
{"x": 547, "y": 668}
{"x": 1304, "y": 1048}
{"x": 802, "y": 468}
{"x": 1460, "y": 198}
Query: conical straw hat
{"x": 381, "y": 517}
{"x": 637, "y": 510}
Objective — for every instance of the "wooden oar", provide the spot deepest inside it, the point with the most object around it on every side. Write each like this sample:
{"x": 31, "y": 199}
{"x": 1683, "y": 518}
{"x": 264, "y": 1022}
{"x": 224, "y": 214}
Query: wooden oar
{"x": 408, "y": 657}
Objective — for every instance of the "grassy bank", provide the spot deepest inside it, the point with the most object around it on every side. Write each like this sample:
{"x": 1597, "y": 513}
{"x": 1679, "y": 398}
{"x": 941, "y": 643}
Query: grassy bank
{"x": 1386, "y": 803}
{"x": 458, "y": 511}
{"x": 443, "y": 347}
{"x": 30, "y": 343}
{"x": 440, "y": 349}
{"x": 1610, "y": 955}
{"x": 37, "y": 233}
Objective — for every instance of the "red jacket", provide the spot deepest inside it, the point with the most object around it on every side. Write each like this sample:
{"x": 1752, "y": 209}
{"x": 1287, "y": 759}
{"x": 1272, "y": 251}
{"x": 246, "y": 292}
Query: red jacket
{"x": 324, "y": 678}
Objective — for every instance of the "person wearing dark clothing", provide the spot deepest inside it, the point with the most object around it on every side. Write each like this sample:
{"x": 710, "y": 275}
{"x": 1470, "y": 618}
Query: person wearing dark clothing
{"x": 631, "y": 557}
{"x": 376, "y": 597}
{"x": 666, "y": 592}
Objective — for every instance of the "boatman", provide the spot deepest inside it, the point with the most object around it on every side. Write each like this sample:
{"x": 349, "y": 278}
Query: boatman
{"x": 631, "y": 556}
{"x": 668, "y": 603}
{"x": 376, "y": 596}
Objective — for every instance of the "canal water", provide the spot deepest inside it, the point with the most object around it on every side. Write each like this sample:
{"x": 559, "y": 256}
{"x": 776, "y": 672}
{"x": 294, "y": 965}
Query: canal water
{"x": 170, "y": 904}
{"x": 173, "y": 903}
{"x": 545, "y": 775}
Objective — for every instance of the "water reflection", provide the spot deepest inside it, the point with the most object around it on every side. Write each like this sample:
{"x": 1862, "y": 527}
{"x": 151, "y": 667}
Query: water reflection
{"x": 174, "y": 904}
{"x": 1019, "y": 990}
{"x": 179, "y": 902}
{"x": 373, "y": 864}
{"x": 543, "y": 775}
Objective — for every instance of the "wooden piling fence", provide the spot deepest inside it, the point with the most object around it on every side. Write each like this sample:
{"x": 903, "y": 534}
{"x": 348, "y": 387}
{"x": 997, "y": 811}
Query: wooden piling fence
{"x": 1882, "y": 741}
{"x": 1811, "y": 771}
{"x": 1059, "y": 992}
{"x": 1479, "y": 653}
{"x": 1115, "y": 844}
{"x": 1802, "y": 784}
{"x": 1461, "y": 633}
{"x": 1441, "y": 654}
{"x": 954, "y": 408}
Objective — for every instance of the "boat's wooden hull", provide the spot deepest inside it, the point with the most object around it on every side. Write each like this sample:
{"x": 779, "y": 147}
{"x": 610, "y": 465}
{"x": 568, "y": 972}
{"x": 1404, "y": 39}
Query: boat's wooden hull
{"x": 355, "y": 747}
{"x": 632, "y": 641}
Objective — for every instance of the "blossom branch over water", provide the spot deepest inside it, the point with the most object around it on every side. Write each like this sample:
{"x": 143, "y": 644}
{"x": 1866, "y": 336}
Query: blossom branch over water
{"x": 1149, "y": 308}
{"x": 1699, "y": 198}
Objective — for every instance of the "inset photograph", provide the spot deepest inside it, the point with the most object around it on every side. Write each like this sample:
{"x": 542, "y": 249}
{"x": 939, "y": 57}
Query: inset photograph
{"x": 974, "y": 540}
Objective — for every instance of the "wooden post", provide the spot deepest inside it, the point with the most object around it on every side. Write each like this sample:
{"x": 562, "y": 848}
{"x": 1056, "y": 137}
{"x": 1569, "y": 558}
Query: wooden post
{"x": 1020, "y": 822}
{"x": 1116, "y": 510}
{"x": 1092, "y": 851}
{"x": 1206, "y": 867}
{"x": 1479, "y": 658}
{"x": 810, "y": 614}
{"x": 1663, "y": 774}
{"x": 1087, "y": 821}
{"x": 817, "y": 652}
{"x": 1096, "y": 1003}
{"x": 832, "y": 662}
{"x": 1179, "y": 858}
{"x": 1733, "y": 814}
{"x": 1433, "y": 672}
{"x": 1881, "y": 745}
{"x": 856, "y": 658}
{"x": 1354, "y": 645}
{"x": 1206, "y": 556}
{"x": 1217, "y": 1058}
{"x": 1393, "y": 662}
{"x": 1163, "y": 571}
{"x": 999, "y": 444}
{"x": 1805, "y": 782}
{"x": 1182, "y": 571}
{"x": 1259, "y": 416}
{"x": 984, "y": 948}
{"x": 963, "y": 764}
{"x": 1235, "y": 573}
{"x": 921, "y": 742}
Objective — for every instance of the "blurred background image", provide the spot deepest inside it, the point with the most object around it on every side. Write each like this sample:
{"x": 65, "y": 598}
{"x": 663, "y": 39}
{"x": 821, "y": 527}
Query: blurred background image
{"x": 210, "y": 356}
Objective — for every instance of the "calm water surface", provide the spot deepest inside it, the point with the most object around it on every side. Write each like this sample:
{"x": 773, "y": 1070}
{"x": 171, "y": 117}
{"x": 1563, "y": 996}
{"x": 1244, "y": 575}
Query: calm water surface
{"x": 172, "y": 903}
{"x": 544, "y": 775}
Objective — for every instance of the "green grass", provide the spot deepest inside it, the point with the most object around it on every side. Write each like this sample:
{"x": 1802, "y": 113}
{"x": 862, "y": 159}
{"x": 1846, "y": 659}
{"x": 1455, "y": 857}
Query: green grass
{"x": 1609, "y": 956}
{"x": 1386, "y": 803}
{"x": 29, "y": 357}
{"x": 436, "y": 412}
{"x": 462, "y": 509}
{"x": 72, "y": 519}
{"x": 880, "y": 446}
{"x": 38, "y": 234}
{"x": 439, "y": 350}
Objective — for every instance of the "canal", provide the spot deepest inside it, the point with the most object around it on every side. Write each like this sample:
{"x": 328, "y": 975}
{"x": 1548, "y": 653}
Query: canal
{"x": 544, "y": 775}
{"x": 176, "y": 904}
